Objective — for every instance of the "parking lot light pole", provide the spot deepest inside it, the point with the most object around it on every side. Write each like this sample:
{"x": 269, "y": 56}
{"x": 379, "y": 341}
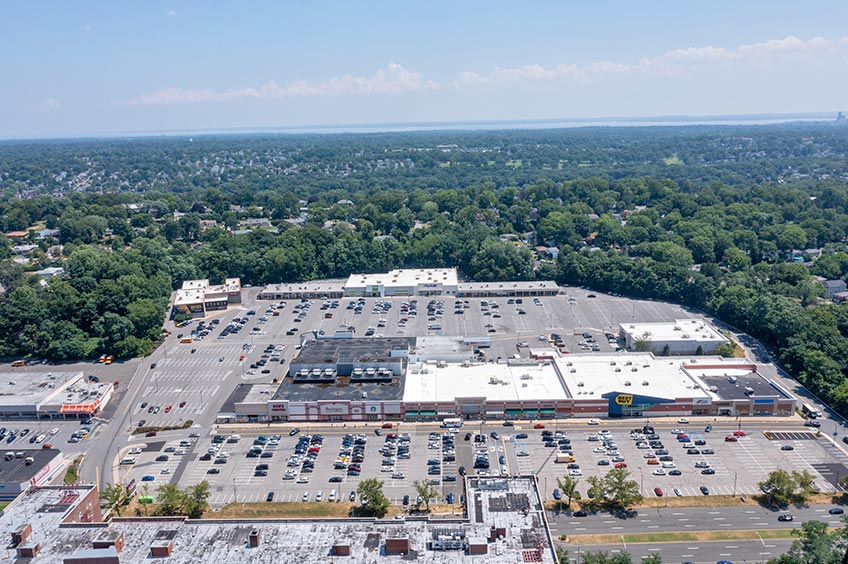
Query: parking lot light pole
{"x": 735, "y": 475}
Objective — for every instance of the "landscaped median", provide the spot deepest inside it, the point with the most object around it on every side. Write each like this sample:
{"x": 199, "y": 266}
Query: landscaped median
{"x": 682, "y": 536}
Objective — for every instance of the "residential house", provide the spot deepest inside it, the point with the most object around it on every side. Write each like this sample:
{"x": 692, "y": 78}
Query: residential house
{"x": 834, "y": 287}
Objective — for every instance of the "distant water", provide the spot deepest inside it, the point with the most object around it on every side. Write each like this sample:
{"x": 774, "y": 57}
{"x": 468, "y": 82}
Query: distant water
{"x": 657, "y": 121}
{"x": 662, "y": 121}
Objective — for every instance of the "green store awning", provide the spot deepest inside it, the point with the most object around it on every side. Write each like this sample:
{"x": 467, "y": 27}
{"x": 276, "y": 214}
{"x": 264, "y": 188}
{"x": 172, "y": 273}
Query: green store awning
{"x": 531, "y": 411}
{"x": 513, "y": 411}
{"x": 428, "y": 413}
{"x": 412, "y": 414}
{"x": 547, "y": 410}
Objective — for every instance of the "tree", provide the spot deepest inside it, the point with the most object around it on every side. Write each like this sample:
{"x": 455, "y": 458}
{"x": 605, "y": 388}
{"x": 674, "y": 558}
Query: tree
{"x": 804, "y": 484}
{"x": 642, "y": 344}
{"x": 606, "y": 558}
{"x": 426, "y": 490}
{"x": 780, "y": 486}
{"x": 725, "y": 349}
{"x": 375, "y": 501}
{"x": 171, "y": 499}
{"x": 621, "y": 491}
{"x": 115, "y": 497}
{"x": 816, "y": 546}
{"x": 596, "y": 491}
{"x": 568, "y": 485}
{"x": 195, "y": 499}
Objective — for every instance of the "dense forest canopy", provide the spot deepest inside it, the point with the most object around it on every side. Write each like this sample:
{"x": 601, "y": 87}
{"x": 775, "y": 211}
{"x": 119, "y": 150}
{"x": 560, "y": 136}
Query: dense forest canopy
{"x": 737, "y": 221}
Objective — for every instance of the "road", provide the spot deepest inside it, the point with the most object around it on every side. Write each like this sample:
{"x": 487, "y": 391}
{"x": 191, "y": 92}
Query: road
{"x": 699, "y": 552}
{"x": 746, "y": 517}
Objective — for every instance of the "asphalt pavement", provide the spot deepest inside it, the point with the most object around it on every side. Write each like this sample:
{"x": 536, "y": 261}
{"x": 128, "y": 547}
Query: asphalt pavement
{"x": 698, "y": 552}
{"x": 744, "y": 517}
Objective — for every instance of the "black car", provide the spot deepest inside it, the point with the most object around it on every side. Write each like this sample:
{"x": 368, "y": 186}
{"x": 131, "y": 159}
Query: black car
{"x": 581, "y": 513}
{"x": 294, "y": 432}
{"x": 508, "y": 424}
{"x": 405, "y": 500}
{"x": 162, "y": 458}
{"x": 708, "y": 471}
{"x": 836, "y": 511}
{"x": 705, "y": 490}
{"x": 335, "y": 479}
{"x": 206, "y": 457}
{"x": 521, "y": 436}
{"x": 494, "y": 435}
{"x": 270, "y": 496}
{"x": 785, "y": 517}
{"x": 461, "y": 470}
{"x": 213, "y": 471}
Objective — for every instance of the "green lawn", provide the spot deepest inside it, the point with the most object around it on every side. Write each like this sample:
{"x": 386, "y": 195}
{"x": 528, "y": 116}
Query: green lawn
{"x": 673, "y": 160}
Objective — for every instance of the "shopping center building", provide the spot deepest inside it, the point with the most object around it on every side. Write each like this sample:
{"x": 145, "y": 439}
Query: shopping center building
{"x": 404, "y": 379}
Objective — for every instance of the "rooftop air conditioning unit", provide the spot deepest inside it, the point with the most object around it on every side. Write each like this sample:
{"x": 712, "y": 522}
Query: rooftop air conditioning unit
{"x": 627, "y": 382}
{"x": 645, "y": 383}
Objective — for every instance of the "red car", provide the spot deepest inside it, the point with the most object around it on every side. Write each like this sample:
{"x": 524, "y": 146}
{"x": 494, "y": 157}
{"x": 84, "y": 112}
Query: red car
{"x": 653, "y": 461}
{"x": 621, "y": 465}
{"x": 658, "y": 491}
{"x": 150, "y": 434}
{"x": 387, "y": 425}
{"x": 241, "y": 357}
{"x": 739, "y": 434}
{"x": 730, "y": 439}
{"x": 539, "y": 426}
{"x": 168, "y": 408}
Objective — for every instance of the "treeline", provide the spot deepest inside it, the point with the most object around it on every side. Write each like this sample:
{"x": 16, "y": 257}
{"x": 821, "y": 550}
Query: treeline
{"x": 738, "y": 251}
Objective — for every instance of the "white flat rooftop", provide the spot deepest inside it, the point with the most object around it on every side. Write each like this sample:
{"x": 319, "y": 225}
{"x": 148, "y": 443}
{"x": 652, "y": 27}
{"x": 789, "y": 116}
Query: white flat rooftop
{"x": 188, "y": 297}
{"x": 591, "y": 376}
{"x": 496, "y": 382}
{"x": 677, "y": 330}
{"x": 31, "y": 388}
{"x": 405, "y": 277}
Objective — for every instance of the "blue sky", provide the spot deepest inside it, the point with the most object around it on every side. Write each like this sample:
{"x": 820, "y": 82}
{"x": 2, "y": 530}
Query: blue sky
{"x": 100, "y": 67}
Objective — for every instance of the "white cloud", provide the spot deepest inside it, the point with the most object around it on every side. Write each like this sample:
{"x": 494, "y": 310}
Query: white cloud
{"x": 86, "y": 27}
{"x": 172, "y": 12}
{"x": 673, "y": 62}
{"x": 46, "y": 105}
{"x": 394, "y": 79}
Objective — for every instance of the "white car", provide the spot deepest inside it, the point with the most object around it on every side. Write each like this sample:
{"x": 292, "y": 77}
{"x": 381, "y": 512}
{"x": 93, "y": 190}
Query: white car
{"x": 575, "y": 472}
{"x": 522, "y": 453}
{"x": 319, "y": 496}
{"x": 683, "y": 421}
{"x": 599, "y": 450}
{"x": 135, "y": 450}
{"x": 659, "y": 472}
{"x": 593, "y": 422}
{"x": 303, "y": 480}
{"x": 398, "y": 476}
{"x": 165, "y": 471}
{"x": 387, "y": 469}
{"x": 54, "y": 430}
{"x": 669, "y": 465}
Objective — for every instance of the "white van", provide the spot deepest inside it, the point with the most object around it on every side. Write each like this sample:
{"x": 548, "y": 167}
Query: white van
{"x": 127, "y": 460}
{"x": 434, "y": 327}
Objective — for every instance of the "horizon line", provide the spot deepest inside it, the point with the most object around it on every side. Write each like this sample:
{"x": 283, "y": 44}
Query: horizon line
{"x": 671, "y": 120}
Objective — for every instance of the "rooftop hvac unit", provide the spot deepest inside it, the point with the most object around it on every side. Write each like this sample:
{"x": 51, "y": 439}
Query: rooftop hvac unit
{"x": 749, "y": 391}
{"x": 677, "y": 328}
{"x": 573, "y": 371}
{"x": 618, "y": 369}
{"x": 645, "y": 383}
{"x": 612, "y": 363}
{"x": 713, "y": 389}
{"x": 627, "y": 382}
{"x": 628, "y": 363}
{"x": 634, "y": 369}
{"x": 580, "y": 384}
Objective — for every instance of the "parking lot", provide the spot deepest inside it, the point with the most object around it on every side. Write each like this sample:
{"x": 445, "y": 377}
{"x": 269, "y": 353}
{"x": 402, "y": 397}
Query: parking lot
{"x": 737, "y": 466}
